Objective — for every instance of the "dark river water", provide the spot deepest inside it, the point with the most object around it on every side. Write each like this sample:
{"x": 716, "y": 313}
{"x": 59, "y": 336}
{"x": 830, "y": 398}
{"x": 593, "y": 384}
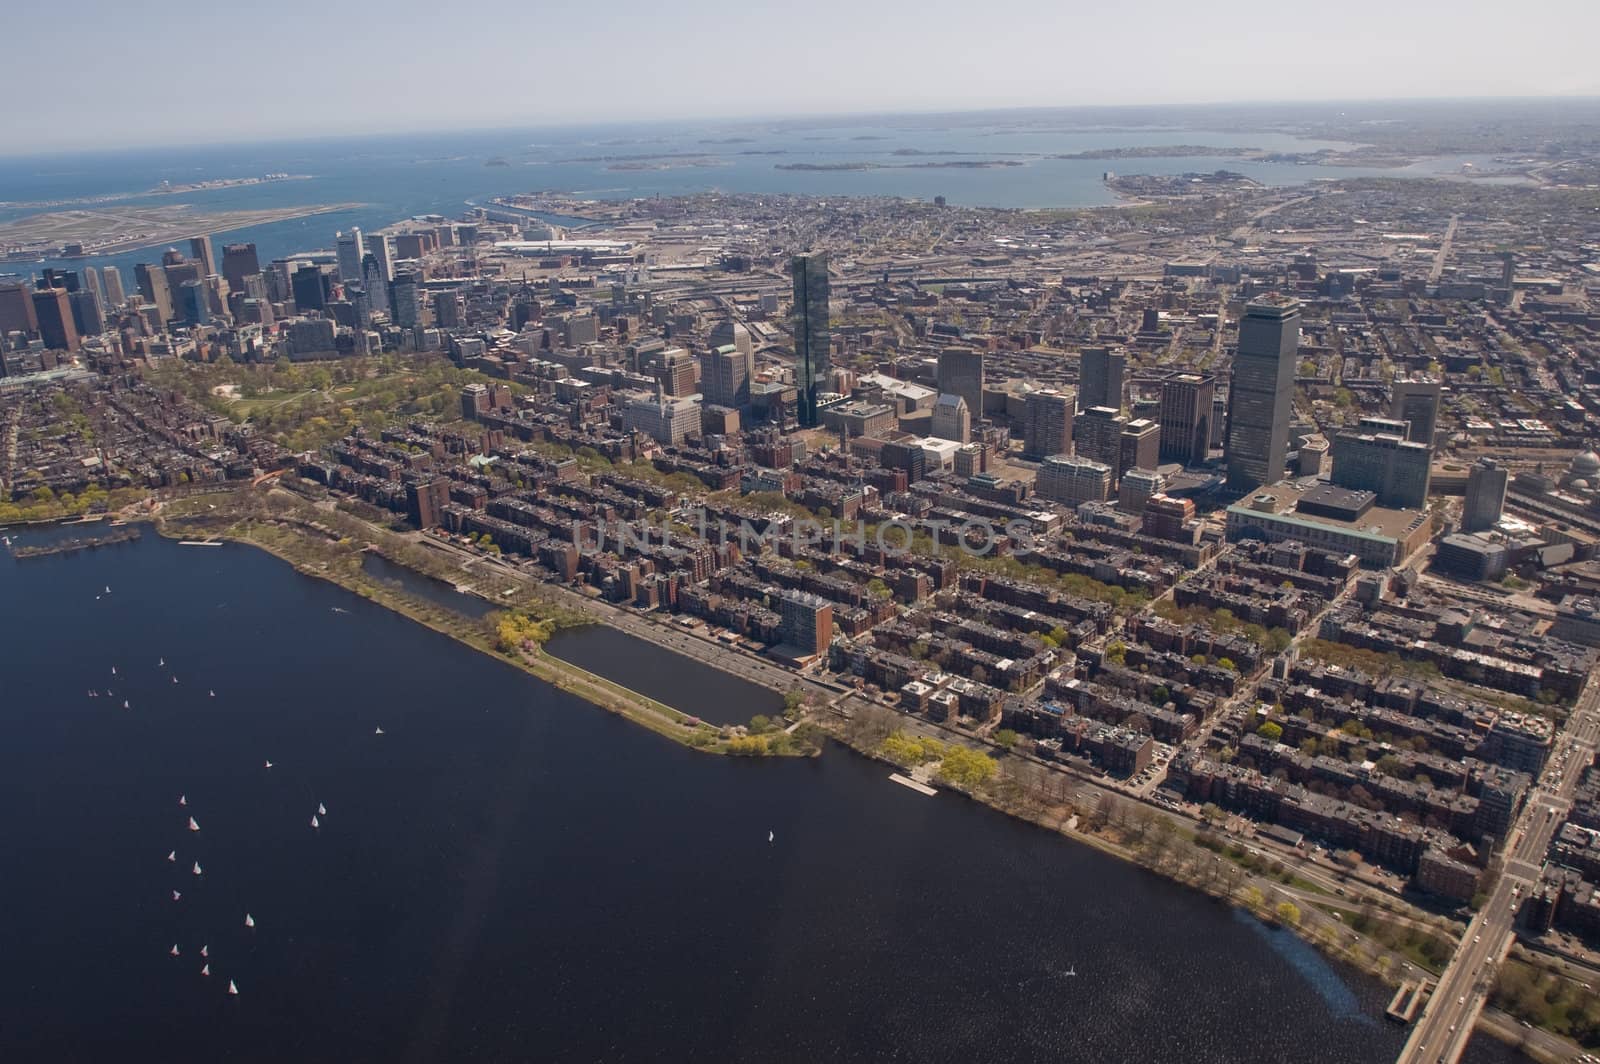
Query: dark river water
{"x": 508, "y": 874}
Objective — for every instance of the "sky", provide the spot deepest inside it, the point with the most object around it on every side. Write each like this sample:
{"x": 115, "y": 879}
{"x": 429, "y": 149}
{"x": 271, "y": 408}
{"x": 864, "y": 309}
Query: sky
{"x": 108, "y": 73}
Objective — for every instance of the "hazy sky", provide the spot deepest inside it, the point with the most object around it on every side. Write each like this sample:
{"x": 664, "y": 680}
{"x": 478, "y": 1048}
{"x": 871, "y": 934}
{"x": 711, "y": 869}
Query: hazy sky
{"x": 110, "y": 72}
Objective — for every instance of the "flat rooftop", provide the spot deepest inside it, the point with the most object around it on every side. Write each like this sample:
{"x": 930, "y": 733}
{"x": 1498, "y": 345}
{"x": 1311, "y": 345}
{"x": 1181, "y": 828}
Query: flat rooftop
{"x": 1377, "y": 521}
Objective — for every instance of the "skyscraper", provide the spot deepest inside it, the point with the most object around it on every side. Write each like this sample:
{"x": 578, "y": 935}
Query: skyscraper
{"x": 50, "y": 307}
{"x": 238, "y": 262}
{"x": 1261, "y": 396}
{"x": 1416, "y": 399}
{"x": 154, "y": 288}
{"x": 810, "y": 323}
{"x": 111, "y": 281}
{"x": 374, "y": 283}
{"x": 200, "y": 251}
{"x": 1100, "y": 371}
{"x": 1486, "y": 495}
{"x": 1139, "y": 446}
{"x": 951, "y": 419}
{"x": 961, "y": 373}
{"x": 1385, "y": 463}
{"x": 16, "y": 310}
{"x": 405, "y": 301}
{"x": 91, "y": 283}
{"x": 377, "y": 246}
{"x": 310, "y": 288}
{"x": 350, "y": 251}
{"x": 1096, "y": 435}
{"x": 722, "y": 378}
{"x": 729, "y": 331}
{"x": 1185, "y": 417}
{"x": 194, "y": 303}
{"x": 1047, "y": 423}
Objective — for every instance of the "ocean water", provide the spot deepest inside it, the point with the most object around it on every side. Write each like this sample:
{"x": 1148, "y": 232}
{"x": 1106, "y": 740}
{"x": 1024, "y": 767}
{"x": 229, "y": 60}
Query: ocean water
{"x": 397, "y": 177}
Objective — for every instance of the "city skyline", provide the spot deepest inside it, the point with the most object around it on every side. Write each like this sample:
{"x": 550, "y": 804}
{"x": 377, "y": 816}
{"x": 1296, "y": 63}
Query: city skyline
{"x": 1187, "y": 55}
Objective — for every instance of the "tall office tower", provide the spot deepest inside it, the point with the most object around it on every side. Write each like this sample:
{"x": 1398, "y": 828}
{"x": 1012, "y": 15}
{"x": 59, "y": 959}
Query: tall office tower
{"x": 238, "y": 262}
{"x": 951, "y": 419}
{"x": 1097, "y": 435}
{"x": 405, "y": 301}
{"x": 16, "y": 309}
{"x": 1185, "y": 417}
{"x": 375, "y": 283}
{"x": 154, "y": 288}
{"x": 86, "y": 315}
{"x": 310, "y": 288}
{"x": 1385, "y": 463}
{"x": 1047, "y": 423}
{"x": 1260, "y": 397}
{"x": 1486, "y": 495}
{"x": 722, "y": 378}
{"x": 1139, "y": 446}
{"x": 200, "y": 251}
{"x": 729, "y": 331}
{"x": 350, "y": 251}
{"x": 194, "y": 303}
{"x": 449, "y": 312}
{"x": 91, "y": 283}
{"x": 1100, "y": 371}
{"x": 217, "y": 293}
{"x": 674, "y": 371}
{"x": 378, "y": 247}
{"x": 961, "y": 373}
{"x": 50, "y": 307}
{"x": 810, "y": 323}
{"x": 1416, "y": 399}
{"x": 1508, "y": 270}
{"x": 111, "y": 281}
{"x": 54, "y": 278}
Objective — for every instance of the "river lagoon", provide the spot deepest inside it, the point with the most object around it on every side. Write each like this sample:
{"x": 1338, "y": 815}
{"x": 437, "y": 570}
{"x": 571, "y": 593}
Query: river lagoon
{"x": 509, "y": 874}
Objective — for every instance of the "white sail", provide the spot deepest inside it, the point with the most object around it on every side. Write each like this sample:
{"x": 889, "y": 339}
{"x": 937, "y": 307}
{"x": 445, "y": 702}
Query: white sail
{"x": 192, "y": 825}
{"x": 269, "y": 764}
{"x": 183, "y": 799}
{"x": 177, "y": 894}
{"x": 249, "y": 921}
{"x": 232, "y": 989}
{"x": 206, "y": 970}
{"x": 322, "y": 810}
{"x": 172, "y": 856}
{"x": 314, "y": 821}
{"x": 197, "y": 868}
{"x": 205, "y": 951}
{"x": 379, "y": 731}
{"x": 174, "y": 949}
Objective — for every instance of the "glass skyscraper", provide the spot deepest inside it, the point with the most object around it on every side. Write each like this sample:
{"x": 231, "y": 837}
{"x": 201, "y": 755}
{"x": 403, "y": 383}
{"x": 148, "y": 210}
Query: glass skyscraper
{"x": 810, "y": 322}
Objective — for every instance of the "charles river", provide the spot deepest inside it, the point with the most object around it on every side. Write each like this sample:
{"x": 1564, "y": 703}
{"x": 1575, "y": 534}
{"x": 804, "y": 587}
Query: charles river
{"x": 509, "y": 874}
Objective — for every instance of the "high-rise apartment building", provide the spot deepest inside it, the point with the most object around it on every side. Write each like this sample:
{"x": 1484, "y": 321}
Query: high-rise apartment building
{"x": 1260, "y": 397}
{"x": 1047, "y": 423}
{"x": 812, "y": 354}
{"x": 1071, "y": 481}
{"x": 1187, "y": 401}
{"x": 961, "y": 373}
{"x": 1486, "y": 495}
{"x": 1139, "y": 446}
{"x": 1100, "y": 372}
{"x": 1096, "y": 435}
{"x": 806, "y": 623}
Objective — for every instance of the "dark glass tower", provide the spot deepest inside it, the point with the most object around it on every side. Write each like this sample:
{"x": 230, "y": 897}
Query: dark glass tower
{"x": 811, "y": 352}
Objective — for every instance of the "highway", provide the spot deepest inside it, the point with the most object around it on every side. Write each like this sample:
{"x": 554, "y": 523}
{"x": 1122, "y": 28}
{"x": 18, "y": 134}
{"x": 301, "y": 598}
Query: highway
{"x": 1441, "y": 1034}
{"x": 1444, "y": 250}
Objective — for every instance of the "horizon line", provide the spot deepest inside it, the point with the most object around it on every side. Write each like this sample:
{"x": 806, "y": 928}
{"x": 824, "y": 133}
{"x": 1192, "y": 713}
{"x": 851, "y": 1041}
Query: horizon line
{"x": 778, "y": 117}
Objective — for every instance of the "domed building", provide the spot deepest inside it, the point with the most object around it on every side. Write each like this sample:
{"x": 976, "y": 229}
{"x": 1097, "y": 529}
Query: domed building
{"x": 1583, "y": 475}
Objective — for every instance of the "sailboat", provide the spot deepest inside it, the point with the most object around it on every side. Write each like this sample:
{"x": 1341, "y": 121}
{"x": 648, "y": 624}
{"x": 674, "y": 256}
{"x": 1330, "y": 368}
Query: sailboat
{"x": 161, "y": 663}
{"x": 213, "y": 694}
{"x": 269, "y": 764}
{"x": 192, "y": 825}
{"x": 197, "y": 868}
{"x": 1071, "y": 970}
{"x": 322, "y": 810}
{"x": 206, "y": 970}
{"x": 174, "y": 950}
{"x": 113, "y": 670}
{"x": 183, "y": 799}
{"x": 108, "y": 589}
{"x": 232, "y": 989}
{"x": 249, "y": 921}
{"x": 205, "y": 951}
{"x": 177, "y": 894}
{"x": 379, "y": 731}
{"x": 125, "y": 704}
{"x": 173, "y": 856}
{"x": 174, "y": 679}
{"x": 770, "y": 836}
{"x": 314, "y": 822}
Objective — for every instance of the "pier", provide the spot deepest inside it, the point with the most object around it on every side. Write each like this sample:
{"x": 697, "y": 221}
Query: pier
{"x": 1407, "y": 1000}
